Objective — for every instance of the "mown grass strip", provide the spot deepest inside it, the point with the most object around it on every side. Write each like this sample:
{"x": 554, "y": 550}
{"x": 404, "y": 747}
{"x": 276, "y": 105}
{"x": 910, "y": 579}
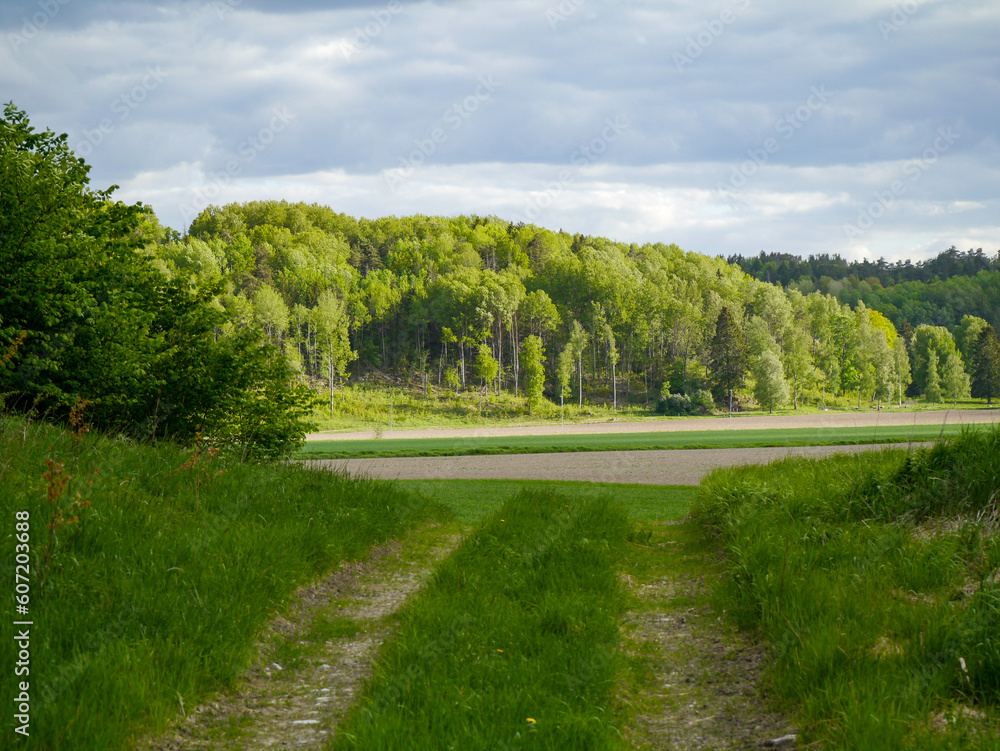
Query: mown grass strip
{"x": 695, "y": 439}
{"x": 153, "y": 597}
{"x": 876, "y": 580}
{"x": 472, "y": 501}
{"x": 511, "y": 646}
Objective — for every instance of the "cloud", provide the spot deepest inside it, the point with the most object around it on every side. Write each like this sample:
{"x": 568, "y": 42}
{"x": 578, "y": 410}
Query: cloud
{"x": 729, "y": 147}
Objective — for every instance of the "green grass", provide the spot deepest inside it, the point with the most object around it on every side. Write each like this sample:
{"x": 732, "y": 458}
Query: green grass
{"x": 512, "y": 644}
{"x": 876, "y": 579}
{"x": 694, "y": 439}
{"x": 472, "y": 501}
{"x": 152, "y": 600}
{"x": 367, "y": 406}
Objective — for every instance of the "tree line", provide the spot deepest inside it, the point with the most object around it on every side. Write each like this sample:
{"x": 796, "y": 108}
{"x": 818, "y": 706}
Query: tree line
{"x": 473, "y": 302}
{"x": 786, "y": 269}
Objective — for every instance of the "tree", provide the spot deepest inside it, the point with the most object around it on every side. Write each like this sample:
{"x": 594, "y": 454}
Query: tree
{"x": 986, "y": 365}
{"x": 770, "y": 387}
{"x": 330, "y": 319}
{"x": 901, "y": 368}
{"x": 727, "y": 357}
{"x": 932, "y": 390}
{"x": 954, "y": 379}
{"x": 578, "y": 339}
{"x": 533, "y": 358}
{"x": 271, "y": 311}
{"x": 487, "y": 366}
{"x": 967, "y": 334}
{"x": 926, "y": 339}
{"x": 564, "y": 369}
{"x": 155, "y": 354}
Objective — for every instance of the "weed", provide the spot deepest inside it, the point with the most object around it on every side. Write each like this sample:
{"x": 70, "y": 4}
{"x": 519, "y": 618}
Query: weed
{"x": 873, "y": 581}
{"x": 153, "y": 601}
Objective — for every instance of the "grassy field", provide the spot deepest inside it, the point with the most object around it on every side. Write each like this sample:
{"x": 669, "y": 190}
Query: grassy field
{"x": 876, "y": 580}
{"x": 695, "y": 439}
{"x": 510, "y": 646}
{"x": 149, "y": 572}
{"x": 472, "y": 501}
{"x": 376, "y": 406}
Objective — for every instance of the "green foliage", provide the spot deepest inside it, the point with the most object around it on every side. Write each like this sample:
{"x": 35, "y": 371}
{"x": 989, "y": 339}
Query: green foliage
{"x": 986, "y": 365}
{"x": 770, "y": 387}
{"x": 153, "y": 599}
{"x": 425, "y": 291}
{"x": 928, "y": 339}
{"x": 533, "y": 358}
{"x": 97, "y": 321}
{"x": 486, "y": 365}
{"x": 678, "y": 405}
{"x": 954, "y": 380}
{"x": 932, "y": 381}
{"x": 727, "y": 357}
{"x": 513, "y": 643}
{"x": 872, "y": 578}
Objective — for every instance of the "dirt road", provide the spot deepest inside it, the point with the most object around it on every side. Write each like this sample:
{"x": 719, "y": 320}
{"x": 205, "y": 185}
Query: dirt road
{"x": 681, "y": 467}
{"x": 739, "y": 422}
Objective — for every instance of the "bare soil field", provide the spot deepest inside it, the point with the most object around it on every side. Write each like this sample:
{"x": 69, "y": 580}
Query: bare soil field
{"x": 884, "y": 418}
{"x": 678, "y": 467}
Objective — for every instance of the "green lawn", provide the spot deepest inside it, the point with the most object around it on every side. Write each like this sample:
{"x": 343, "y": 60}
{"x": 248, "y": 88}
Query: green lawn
{"x": 472, "y": 501}
{"x": 694, "y": 439}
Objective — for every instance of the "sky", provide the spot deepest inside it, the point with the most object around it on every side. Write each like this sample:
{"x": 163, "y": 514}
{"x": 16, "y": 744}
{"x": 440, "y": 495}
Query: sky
{"x": 867, "y": 128}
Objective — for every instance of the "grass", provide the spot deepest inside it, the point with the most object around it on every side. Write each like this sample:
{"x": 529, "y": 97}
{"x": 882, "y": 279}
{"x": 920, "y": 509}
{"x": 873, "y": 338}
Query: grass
{"x": 370, "y": 405}
{"x": 694, "y": 439}
{"x": 164, "y": 566}
{"x": 473, "y": 501}
{"x": 366, "y": 406}
{"x": 512, "y": 644}
{"x": 876, "y": 579}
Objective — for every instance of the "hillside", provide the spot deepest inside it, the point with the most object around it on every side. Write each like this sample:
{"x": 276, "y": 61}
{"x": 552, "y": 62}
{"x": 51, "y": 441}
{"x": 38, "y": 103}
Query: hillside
{"x": 477, "y": 303}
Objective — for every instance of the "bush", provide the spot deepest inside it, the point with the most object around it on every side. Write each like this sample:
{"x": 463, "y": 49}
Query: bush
{"x": 700, "y": 403}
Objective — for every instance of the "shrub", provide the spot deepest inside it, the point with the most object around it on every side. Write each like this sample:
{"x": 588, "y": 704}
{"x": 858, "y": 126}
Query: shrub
{"x": 699, "y": 403}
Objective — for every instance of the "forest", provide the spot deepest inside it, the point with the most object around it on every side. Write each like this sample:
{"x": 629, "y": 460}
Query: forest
{"x": 237, "y": 329}
{"x": 474, "y": 302}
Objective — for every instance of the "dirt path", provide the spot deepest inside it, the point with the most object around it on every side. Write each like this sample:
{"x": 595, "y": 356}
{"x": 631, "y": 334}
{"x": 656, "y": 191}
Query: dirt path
{"x": 312, "y": 660}
{"x": 739, "y": 422}
{"x": 678, "y": 467}
{"x": 700, "y": 682}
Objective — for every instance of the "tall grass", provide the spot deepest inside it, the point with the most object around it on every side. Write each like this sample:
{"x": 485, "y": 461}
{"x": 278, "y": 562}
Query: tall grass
{"x": 877, "y": 581}
{"x": 366, "y": 406}
{"x": 513, "y": 643}
{"x": 148, "y": 593}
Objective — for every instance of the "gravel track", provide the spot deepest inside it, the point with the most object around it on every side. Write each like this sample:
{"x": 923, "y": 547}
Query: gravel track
{"x": 679, "y": 467}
